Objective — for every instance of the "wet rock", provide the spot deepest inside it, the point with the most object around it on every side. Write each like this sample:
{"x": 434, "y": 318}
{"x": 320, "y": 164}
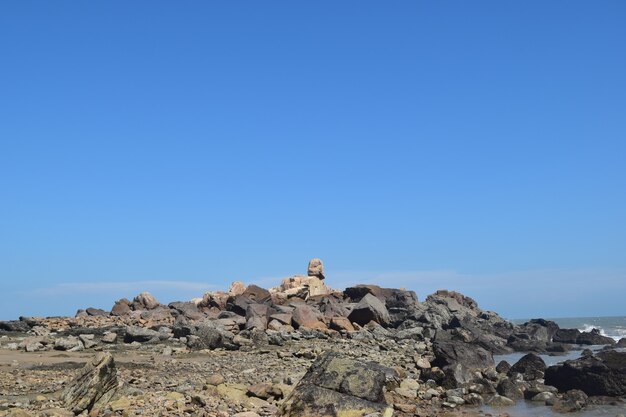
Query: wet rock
{"x": 500, "y": 401}
{"x": 602, "y": 374}
{"x": 96, "y": 384}
{"x": 336, "y": 385}
{"x": 572, "y": 400}
{"x": 531, "y": 366}
{"x": 566, "y": 336}
{"x": 594, "y": 337}
{"x": 510, "y": 389}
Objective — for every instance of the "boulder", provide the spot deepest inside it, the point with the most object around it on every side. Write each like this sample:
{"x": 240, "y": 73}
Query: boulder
{"x": 97, "y": 312}
{"x": 236, "y": 288}
{"x": 369, "y": 309}
{"x": 207, "y": 336}
{"x": 566, "y": 336}
{"x": 140, "y": 334}
{"x": 257, "y": 316}
{"x": 316, "y": 268}
{"x": 510, "y": 389}
{"x": 305, "y": 316}
{"x": 96, "y": 384}
{"x": 531, "y": 366}
{"x": 571, "y": 401}
{"x": 145, "y": 301}
{"x": 594, "y": 337}
{"x": 621, "y": 343}
{"x": 188, "y": 309}
{"x": 121, "y": 308}
{"x": 337, "y": 385}
{"x": 341, "y": 324}
{"x": 459, "y": 360}
{"x": 602, "y": 374}
{"x": 257, "y": 294}
{"x": 14, "y": 326}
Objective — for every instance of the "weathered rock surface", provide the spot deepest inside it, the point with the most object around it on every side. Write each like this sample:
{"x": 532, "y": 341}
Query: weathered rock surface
{"x": 338, "y": 386}
{"x": 602, "y": 374}
{"x": 96, "y": 383}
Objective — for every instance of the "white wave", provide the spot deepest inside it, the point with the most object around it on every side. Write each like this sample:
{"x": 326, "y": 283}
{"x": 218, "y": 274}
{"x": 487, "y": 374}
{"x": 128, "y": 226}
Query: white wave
{"x": 615, "y": 333}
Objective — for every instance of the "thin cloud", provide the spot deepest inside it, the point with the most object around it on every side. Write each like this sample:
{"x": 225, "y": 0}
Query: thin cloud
{"x": 68, "y": 288}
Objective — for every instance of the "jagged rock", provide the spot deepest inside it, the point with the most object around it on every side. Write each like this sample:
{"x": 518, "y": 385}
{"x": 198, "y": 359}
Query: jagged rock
{"x": 566, "y": 336}
{"x": 603, "y": 374}
{"x": 316, "y": 268}
{"x": 531, "y": 366}
{"x": 71, "y": 344}
{"x": 140, "y": 334}
{"x": 14, "y": 326}
{"x": 338, "y": 386}
{"x": 305, "y": 316}
{"x": 503, "y": 367}
{"x": 369, "y": 309}
{"x": 206, "y": 336}
{"x": 594, "y": 337}
{"x": 109, "y": 338}
{"x": 257, "y": 316}
{"x": 98, "y": 312}
{"x": 96, "y": 384}
{"x": 510, "y": 389}
{"x": 341, "y": 324}
{"x": 573, "y": 400}
{"x": 257, "y": 294}
{"x": 187, "y": 309}
{"x": 145, "y": 301}
{"x": 236, "y": 288}
{"x": 459, "y": 360}
{"x": 121, "y": 308}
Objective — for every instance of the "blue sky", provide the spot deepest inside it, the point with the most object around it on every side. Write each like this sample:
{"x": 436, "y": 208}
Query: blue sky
{"x": 477, "y": 146}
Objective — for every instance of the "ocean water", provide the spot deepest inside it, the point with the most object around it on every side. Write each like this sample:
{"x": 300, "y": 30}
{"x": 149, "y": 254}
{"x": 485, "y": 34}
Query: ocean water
{"x": 614, "y": 327}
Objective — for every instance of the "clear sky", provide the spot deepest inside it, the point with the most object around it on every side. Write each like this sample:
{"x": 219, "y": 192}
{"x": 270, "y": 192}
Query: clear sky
{"x": 177, "y": 146}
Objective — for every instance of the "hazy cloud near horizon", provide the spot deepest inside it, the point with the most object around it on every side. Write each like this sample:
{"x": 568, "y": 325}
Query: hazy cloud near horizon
{"x": 516, "y": 294}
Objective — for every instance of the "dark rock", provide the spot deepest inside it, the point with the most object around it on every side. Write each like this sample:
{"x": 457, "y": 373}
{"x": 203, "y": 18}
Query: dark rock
{"x": 459, "y": 360}
{"x": 603, "y": 374}
{"x": 566, "y": 336}
{"x": 121, "y": 308}
{"x": 573, "y": 400}
{"x": 531, "y": 366}
{"x": 257, "y": 294}
{"x": 503, "y": 367}
{"x": 14, "y": 326}
{"x": 96, "y": 384}
{"x": 337, "y": 385}
{"x": 98, "y": 312}
{"x": 594, "y": 337}
{"x": 510, "y": 389}
{"x": 140, "y": 334}
{"x": 621, "y": 343}
{"x": 369, "y": 309}
{"x": 187, "y": 309}
{"x": 206, "y": 336}
{"x": 257, "y": 316}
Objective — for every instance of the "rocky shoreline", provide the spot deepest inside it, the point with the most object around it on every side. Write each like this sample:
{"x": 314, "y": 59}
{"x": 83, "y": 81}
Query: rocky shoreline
{"x": 298, "y": 349}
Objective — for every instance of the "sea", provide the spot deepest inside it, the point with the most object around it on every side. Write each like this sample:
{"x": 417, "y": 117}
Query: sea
{"x": 614, "y": 327}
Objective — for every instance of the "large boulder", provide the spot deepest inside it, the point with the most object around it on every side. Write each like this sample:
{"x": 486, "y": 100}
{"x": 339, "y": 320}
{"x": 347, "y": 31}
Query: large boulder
{"x": 95, "y": 384}
{"x": 566, "y": 336}
{"x": 121, "y": 308}
{"x": 207, "y": 336}
{"x": 459, "y": 360}
{"x": 531, "y": 366}
{"x": 306, "y": 316}
{"x": 602, "y": 374}
{"x": 140, "y": 334}
{"x": 257, "y": 316}
{"x": 316, "y": 268}
{"x": 369, "y": 309}
{"x": 594, "y": 337}
{"x": 336, "y": 385}
{"x": 145, "y": 301}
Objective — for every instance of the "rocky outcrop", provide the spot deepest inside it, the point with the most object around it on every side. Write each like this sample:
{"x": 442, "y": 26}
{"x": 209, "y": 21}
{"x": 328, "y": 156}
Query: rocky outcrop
{"x": 531, "y": 367}
{"x": 458, "y": 359}
{"x": 96, "y": 384}
{"x": 602, "y": 374}
{"x": 336, "y": 385}
{"x": 145, "y": 301}
{"x": 316, "y": 268}
{"x": 370, "y": 308}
